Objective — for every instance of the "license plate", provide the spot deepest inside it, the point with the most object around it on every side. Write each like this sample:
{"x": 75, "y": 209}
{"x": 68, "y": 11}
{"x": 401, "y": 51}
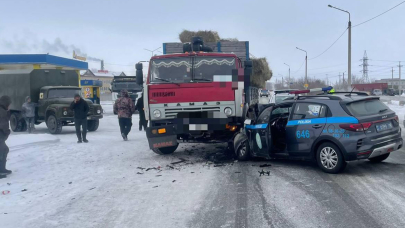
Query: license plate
{"x": 384, "y": 126}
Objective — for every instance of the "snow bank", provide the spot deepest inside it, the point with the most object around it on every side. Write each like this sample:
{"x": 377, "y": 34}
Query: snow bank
{"x": 23, "y": 139}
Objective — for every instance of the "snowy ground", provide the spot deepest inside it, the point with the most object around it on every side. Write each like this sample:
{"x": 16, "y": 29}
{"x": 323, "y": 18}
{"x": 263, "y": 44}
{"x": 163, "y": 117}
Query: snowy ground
{"x": 59, "y": 183}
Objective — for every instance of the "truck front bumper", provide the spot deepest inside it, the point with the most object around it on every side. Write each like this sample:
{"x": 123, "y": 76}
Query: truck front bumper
{"x": 72, "y": 119}
{"x": 167, "y": 133}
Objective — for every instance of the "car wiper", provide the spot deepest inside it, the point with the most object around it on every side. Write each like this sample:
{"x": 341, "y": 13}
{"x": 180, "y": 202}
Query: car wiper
{"x": 165, "y": 80}
{"x": 383, "y": 110}
{"x": 202, "y": 79}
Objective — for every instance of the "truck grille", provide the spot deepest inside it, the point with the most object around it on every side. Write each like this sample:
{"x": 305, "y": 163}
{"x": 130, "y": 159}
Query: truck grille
{"x": 91, "y": 111}
{"x": 172, "y": 112}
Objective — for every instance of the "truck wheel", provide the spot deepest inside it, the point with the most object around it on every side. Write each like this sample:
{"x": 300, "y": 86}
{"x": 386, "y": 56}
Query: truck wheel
{"x": 54, "y": 125}
{"x": 379, "y": 158}
{"x": 165, "y": 150}
{"x": 92, "y": 125}
{"x": 17, "y": 123}
{"x": 329, "y": 158}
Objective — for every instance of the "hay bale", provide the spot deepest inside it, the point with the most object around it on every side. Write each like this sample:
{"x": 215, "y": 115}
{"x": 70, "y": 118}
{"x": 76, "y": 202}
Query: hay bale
{"x": 261, "y": 72}
{"x": 207, "y": 35}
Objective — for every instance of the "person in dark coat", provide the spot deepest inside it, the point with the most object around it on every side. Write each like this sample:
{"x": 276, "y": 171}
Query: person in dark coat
{"x": 142, "y": 120}
{"x": 5, "y": 102}
{"x": 28, "y": 112}
{"x": 124, "y": 106}
{"x": 80, "y": 108}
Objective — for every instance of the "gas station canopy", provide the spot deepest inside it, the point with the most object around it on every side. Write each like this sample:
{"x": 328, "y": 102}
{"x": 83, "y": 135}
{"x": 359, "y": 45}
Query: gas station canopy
{"x": 40, "y": 61}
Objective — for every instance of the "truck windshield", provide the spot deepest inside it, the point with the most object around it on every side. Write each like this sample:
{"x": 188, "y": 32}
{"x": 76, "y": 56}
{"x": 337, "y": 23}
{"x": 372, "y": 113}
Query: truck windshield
{"x": 173, "y": 70}
{"x": 63, "y": 93}
{"x": 205, "y": 68}
{"x": 195, "y": 69}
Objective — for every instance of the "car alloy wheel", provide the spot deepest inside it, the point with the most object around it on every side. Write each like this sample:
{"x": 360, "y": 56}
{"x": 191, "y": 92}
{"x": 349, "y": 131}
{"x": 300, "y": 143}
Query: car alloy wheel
{"x": 329, "y": 157}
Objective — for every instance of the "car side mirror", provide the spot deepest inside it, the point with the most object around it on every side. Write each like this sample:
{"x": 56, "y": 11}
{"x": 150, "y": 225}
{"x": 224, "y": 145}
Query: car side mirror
{"x": 139, "y": 74}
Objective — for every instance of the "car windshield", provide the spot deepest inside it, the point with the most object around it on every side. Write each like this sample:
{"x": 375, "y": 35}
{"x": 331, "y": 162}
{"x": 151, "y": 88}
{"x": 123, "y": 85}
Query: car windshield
{"x": 367, "y": 107}
{"x": 280, "y": 98}
{"x": 63, "y": 93}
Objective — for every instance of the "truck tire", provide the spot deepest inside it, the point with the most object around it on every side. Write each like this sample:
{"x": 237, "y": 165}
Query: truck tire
{"x": 54, "y": 125}
{"x": 379, "y": 158}
{"x": 92, "y": 125}
{"x": 329, "y": 158}
{"x": 165, "y": 150}
{"x": 17, "y": 123}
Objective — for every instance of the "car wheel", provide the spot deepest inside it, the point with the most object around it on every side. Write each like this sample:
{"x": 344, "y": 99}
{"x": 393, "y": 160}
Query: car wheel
{"x": 53, "y": 124}
{"x": 330, "y": 159}
{"x": 379, "y": 158}
{"x": 165, "y": 150}
{"x": 242, "y": 152}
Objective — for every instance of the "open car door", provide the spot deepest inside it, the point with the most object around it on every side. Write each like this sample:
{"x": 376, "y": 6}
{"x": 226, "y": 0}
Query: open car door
{"x": 259, "y": 134}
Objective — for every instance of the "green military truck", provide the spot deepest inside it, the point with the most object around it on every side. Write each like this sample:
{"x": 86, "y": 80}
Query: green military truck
{"x": 53, "y": 91}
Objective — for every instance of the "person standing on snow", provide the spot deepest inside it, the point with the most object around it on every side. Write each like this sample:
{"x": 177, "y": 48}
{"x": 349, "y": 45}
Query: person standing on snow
{"x": 80, "y": 108}
{"x": 124, "y": 106}
{"x": 28, "y": 112}
{"x": 142, "y": 120}
{"x": 5, "y": 102}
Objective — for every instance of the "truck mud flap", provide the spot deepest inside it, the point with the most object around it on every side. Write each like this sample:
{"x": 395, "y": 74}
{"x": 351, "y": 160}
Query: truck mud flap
{"x": 161, "y": 136}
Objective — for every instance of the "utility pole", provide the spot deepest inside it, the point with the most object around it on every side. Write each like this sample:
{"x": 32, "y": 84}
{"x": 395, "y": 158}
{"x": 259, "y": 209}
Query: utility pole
{"x": 399, "y": 81}
{"x": 306, "y": 66}
{"x": 339, "y": 78}
{"x": 151, "y": 50}
{"x": 392, "y": 81}
{"x": 343, "y": 77}
{"x": 289, "y": 78}
{"x": 349, "y": 65}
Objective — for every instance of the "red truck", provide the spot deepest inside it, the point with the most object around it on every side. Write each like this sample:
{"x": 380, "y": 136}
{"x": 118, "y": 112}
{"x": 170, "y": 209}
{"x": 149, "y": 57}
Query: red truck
{"x": 373, "y": 88}
{"x": 194, "y": 96}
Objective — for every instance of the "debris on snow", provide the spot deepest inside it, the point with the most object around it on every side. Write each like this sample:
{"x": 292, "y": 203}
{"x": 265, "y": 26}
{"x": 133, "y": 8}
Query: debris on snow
{"x": 5, "y": 192}
{"x": 155, "y": 186}
{"x": 92, "y": 188}
{"x": 70, "y": 182}
{"x": 263, "y": 173}
{"x": 24, "y": 190}
{"x": 174, "y": 181}
{"x": 178, "y": 162}
{"x": 139, "y": 173}
{"x": 265, "y": 165}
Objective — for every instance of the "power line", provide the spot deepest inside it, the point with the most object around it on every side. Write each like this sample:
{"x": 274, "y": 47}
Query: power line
{"x": 328, "y": 66}
{"x": 330, "y": 45}
{"x": 299, "y": 68}
{"x": 378, "y": 15}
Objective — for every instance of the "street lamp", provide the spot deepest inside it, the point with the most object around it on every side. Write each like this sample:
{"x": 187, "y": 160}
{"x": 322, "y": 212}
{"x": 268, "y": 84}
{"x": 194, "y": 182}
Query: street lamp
{"x": 349, "y": 70}
{"x": 289, "y": 79}
{"x": 152, "y": 51}
{"x": 306, "y": 65}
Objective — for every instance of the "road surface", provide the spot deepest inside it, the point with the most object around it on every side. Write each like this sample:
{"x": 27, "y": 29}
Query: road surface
{"x": 106, "y": 183}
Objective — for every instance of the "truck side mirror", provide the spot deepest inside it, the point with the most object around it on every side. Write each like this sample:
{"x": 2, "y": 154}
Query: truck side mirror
{"x": 139, "y": 74}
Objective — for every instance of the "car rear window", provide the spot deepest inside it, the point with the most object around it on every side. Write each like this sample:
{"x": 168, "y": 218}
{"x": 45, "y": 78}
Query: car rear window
{"x": 367, "y": 107}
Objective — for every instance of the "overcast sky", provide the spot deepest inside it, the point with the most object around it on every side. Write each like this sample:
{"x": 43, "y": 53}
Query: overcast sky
{"x": 118, "y": 31}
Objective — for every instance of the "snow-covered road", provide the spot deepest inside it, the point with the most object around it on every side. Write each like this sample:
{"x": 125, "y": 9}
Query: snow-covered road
{"x": 59, "y": 183}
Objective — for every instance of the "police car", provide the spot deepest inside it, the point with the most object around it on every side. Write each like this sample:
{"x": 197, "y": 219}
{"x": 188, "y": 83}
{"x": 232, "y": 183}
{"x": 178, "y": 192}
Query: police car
{"x": 330, "y": 129}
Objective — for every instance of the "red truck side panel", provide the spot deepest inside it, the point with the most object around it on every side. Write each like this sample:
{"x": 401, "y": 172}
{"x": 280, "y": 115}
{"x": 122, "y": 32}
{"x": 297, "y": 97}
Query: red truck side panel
{"x": 191, "y": 92}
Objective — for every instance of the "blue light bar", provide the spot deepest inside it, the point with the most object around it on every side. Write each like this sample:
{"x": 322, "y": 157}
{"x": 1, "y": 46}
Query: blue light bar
{"x": 327, "y": 88}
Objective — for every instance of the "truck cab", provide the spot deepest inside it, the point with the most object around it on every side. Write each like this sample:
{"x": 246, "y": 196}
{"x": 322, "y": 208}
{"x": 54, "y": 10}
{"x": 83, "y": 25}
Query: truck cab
{"x": 54, "y": 108}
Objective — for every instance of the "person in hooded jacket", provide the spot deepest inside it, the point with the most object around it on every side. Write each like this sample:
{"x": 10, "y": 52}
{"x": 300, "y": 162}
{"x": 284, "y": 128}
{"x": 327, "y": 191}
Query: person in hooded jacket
{"x": 142, "y": 120}
{"x": 28, "y": 112}
{"x": 80, "y": 108}
{"x": 124, "y": 106}
{"x": 5, "y": 102}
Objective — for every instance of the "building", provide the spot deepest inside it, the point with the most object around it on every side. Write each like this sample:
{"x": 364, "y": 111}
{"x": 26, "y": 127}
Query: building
{"x": 102, "y": 75}
{"x": 396, "y": 84}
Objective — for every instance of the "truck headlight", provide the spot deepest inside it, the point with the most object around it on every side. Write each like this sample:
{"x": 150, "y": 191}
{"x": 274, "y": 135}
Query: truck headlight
{"x": 228, "y": 111}
{"x": 98, "y": 111}
{"x": 65, "y": 113}
{"x": 156, "y": 113}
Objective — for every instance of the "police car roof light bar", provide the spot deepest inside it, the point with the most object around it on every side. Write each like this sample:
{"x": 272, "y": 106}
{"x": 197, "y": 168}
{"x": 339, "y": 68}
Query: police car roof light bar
{"x": 325, "y": 89}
